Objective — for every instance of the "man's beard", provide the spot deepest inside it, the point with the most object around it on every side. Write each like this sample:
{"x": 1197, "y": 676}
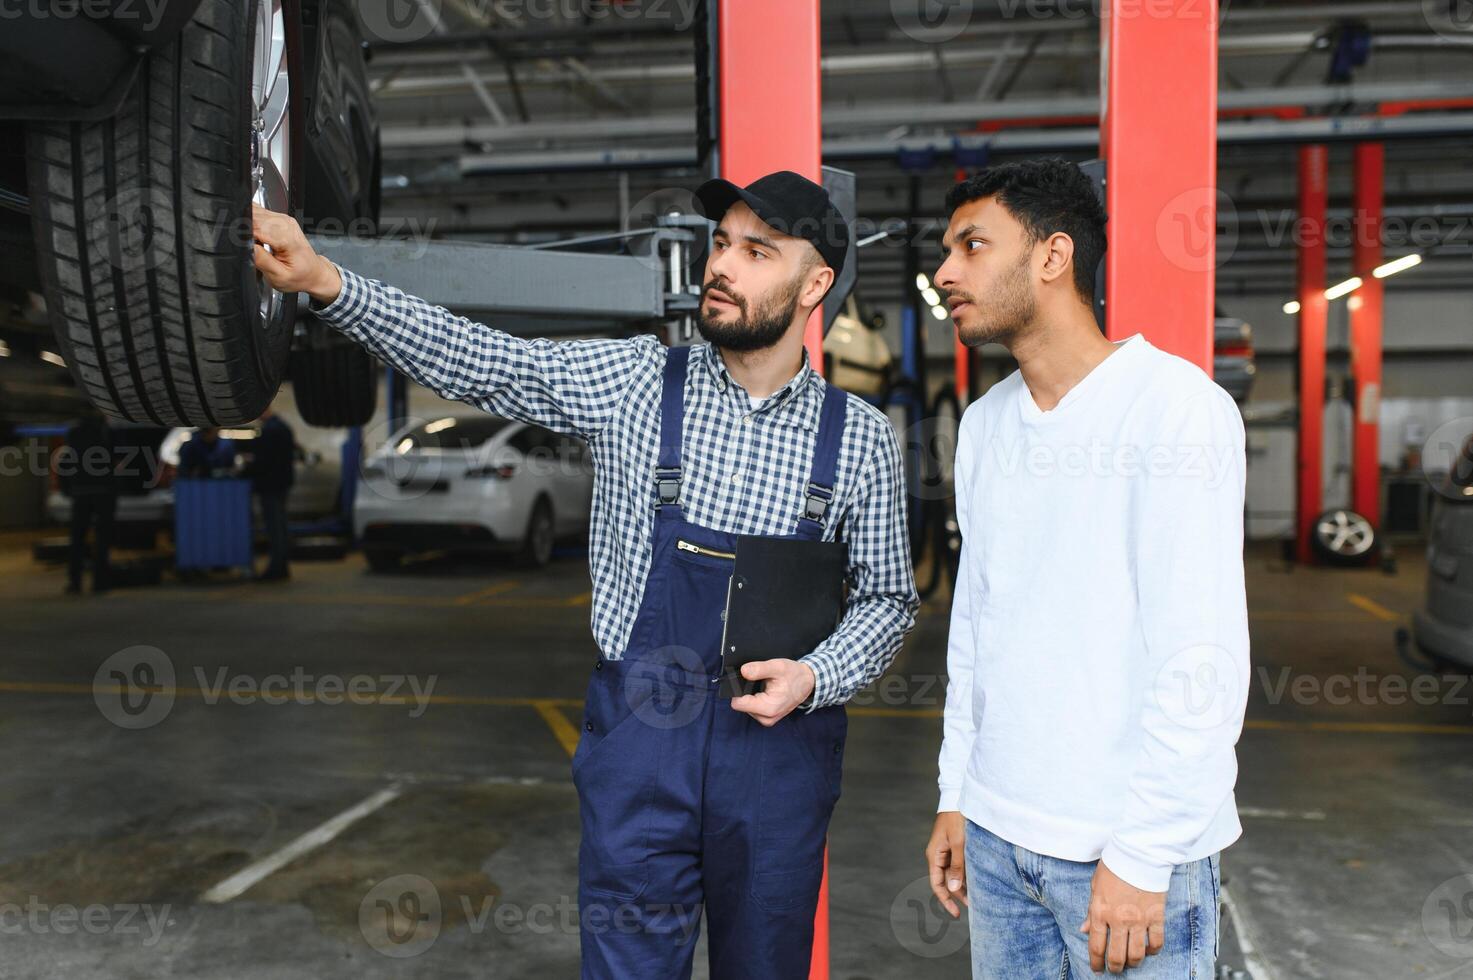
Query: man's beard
{"x": 1010, "y": 309}
{"x": 753, "y": 329}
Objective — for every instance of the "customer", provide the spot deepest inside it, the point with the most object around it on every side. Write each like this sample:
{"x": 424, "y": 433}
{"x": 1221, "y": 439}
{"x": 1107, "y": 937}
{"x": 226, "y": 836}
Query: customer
{"x": 86, "y": 472}
{"x": 272, "y": 471}
{"x": 1098, "y": 657}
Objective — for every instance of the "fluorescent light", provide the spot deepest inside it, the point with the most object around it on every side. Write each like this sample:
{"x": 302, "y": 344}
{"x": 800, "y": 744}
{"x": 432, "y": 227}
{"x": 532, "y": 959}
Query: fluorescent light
{"x": 1291, "y": 307}
{"x": 922, "y": 283}
{"x": 938, "y": 313}
{"x": 1348, "y": 286}
{"x": 4, "y": 349}
{"x": 56, "y": 359}
{"x": 1354, "y": 303}
{"x": 1397, "y": 265}
{"x": 931, "y": 297}
{"x": 440, "y": 425}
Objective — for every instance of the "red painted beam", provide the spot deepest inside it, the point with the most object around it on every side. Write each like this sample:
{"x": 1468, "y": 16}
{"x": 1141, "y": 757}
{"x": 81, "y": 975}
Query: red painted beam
{"x": 963, "y": 373}
{"x": 1158, "y": 135}
{"x": 1314, "y": 176}
{"x": 1366, "y": 306}
{"x": 770, "y": 100}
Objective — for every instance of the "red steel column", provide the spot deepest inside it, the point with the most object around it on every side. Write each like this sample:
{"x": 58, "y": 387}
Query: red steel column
{"x": 1158, "y": 136}
{"x": 963, "y": 373}
{"x": 1314, "y": 175}
{"x": 770, "y": 100}
{"x": 1366, "y": 306}
{"x": 770, "y": 119}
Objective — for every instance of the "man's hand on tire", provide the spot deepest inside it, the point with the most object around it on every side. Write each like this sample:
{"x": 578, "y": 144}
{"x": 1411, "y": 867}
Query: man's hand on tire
{"x": 289, "y": 264}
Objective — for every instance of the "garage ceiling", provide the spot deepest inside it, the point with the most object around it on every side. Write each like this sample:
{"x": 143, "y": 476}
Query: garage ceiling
{"x": 521, "y": 120}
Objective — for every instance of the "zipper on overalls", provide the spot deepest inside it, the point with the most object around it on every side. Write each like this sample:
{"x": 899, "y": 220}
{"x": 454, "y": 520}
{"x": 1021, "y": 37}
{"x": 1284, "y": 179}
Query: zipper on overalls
{"x": 698, "y": 550}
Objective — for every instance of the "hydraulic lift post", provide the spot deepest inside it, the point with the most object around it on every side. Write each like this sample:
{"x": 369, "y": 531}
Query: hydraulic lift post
{"x": 1158, "y": 136}
{"x": 1366, "y": 311}
{"x": 769, "y": 104}
{"x": 1314, "y": 178}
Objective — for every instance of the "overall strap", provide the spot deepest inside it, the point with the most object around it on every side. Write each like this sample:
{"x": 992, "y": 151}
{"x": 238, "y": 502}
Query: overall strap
{"x": 672, "y": 427}
{"x": 820, "y": 490}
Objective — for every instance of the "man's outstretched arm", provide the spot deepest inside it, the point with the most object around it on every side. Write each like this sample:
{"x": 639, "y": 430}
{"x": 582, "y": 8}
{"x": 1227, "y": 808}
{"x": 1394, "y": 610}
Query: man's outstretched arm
{"x": 569, "y": 386}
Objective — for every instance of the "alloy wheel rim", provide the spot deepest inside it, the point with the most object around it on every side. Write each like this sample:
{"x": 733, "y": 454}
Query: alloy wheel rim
{"x": 270, "y": 135}
{"x": 1346, "y": 533}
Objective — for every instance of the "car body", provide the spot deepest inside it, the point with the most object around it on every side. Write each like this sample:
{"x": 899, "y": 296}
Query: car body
{"x": 472, "y": 483}
{"x": 1443, "y": 626}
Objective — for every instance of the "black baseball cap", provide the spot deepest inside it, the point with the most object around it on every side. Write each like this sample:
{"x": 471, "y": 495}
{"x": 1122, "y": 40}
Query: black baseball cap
{"x": 791, "y": 204}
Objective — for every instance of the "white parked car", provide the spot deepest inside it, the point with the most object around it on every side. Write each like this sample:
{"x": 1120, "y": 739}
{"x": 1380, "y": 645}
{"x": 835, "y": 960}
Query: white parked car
{"x": 472, "y": 483}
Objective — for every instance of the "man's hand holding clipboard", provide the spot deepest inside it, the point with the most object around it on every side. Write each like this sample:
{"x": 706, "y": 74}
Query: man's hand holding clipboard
{"x": 785, "y": 685}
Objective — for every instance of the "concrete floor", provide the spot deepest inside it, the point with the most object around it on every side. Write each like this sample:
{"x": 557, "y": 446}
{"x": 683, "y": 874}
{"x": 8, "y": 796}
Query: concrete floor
{"x": 123, "y": 815}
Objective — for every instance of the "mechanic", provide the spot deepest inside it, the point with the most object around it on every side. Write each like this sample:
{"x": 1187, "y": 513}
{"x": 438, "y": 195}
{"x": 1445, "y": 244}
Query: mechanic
{"x": 687, "y": 799}
{"x": 272, "y": 470}
{"x": 206, "y": 455}
{"x": 88, "y": 475}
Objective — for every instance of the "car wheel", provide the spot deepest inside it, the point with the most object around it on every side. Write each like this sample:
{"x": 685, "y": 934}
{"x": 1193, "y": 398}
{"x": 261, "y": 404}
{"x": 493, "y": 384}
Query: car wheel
{"x": 1343, "y": 537}
{"x": 538, "y": 543}
{"x": 142, "y": 223}
{"x": 383, "y": 559}
{"x": 335, "y": 383}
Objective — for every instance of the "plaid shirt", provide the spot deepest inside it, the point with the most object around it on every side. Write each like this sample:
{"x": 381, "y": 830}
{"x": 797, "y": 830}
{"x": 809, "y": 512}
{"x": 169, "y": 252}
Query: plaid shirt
{"x": 745, "y": 468}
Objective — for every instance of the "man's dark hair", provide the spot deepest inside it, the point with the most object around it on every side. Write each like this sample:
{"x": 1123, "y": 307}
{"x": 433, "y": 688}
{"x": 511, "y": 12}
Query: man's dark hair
{"x": 1045, "y": 196}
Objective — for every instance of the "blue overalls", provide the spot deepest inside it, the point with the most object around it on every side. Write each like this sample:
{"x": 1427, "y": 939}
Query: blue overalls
{"x": 685, "y": 801}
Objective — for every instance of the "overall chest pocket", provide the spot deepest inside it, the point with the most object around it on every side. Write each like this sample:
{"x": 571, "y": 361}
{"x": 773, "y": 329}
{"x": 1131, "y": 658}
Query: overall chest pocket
{"x": 696, "y": 585}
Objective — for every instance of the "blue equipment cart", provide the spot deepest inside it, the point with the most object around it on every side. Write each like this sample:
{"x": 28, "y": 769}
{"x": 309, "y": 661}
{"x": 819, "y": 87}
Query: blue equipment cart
{"x": 212, "y": 524}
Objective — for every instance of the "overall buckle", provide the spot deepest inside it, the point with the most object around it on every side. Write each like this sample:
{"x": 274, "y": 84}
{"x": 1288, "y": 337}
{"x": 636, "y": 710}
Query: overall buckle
{"x": 667, "y": 485}
{"x": 816, "y": 502}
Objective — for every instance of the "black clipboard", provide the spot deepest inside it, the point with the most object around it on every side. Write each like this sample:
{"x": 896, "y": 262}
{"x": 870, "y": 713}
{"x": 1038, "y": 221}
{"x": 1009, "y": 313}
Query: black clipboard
{"x": 785, "y": 597}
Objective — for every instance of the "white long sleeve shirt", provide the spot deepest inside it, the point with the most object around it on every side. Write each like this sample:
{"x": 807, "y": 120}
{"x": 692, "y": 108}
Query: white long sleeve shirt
{"x": 1098, "y": 656}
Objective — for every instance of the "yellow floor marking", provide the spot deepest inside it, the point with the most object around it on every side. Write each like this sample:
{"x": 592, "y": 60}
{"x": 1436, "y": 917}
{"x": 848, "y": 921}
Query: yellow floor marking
{"x": 551, "y": 710}
{"x": 1307, "y": 616}
{"x": 562, "y": 729}
{"x": 1372, "y": 606}
{"x": 579, "y": 600}
{"x": 495, "y": 588}
{"x": 1359, "y": 727}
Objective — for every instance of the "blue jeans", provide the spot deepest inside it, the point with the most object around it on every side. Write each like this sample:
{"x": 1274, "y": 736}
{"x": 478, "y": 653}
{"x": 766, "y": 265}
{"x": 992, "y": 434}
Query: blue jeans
{"x": 1026, "y": 910}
